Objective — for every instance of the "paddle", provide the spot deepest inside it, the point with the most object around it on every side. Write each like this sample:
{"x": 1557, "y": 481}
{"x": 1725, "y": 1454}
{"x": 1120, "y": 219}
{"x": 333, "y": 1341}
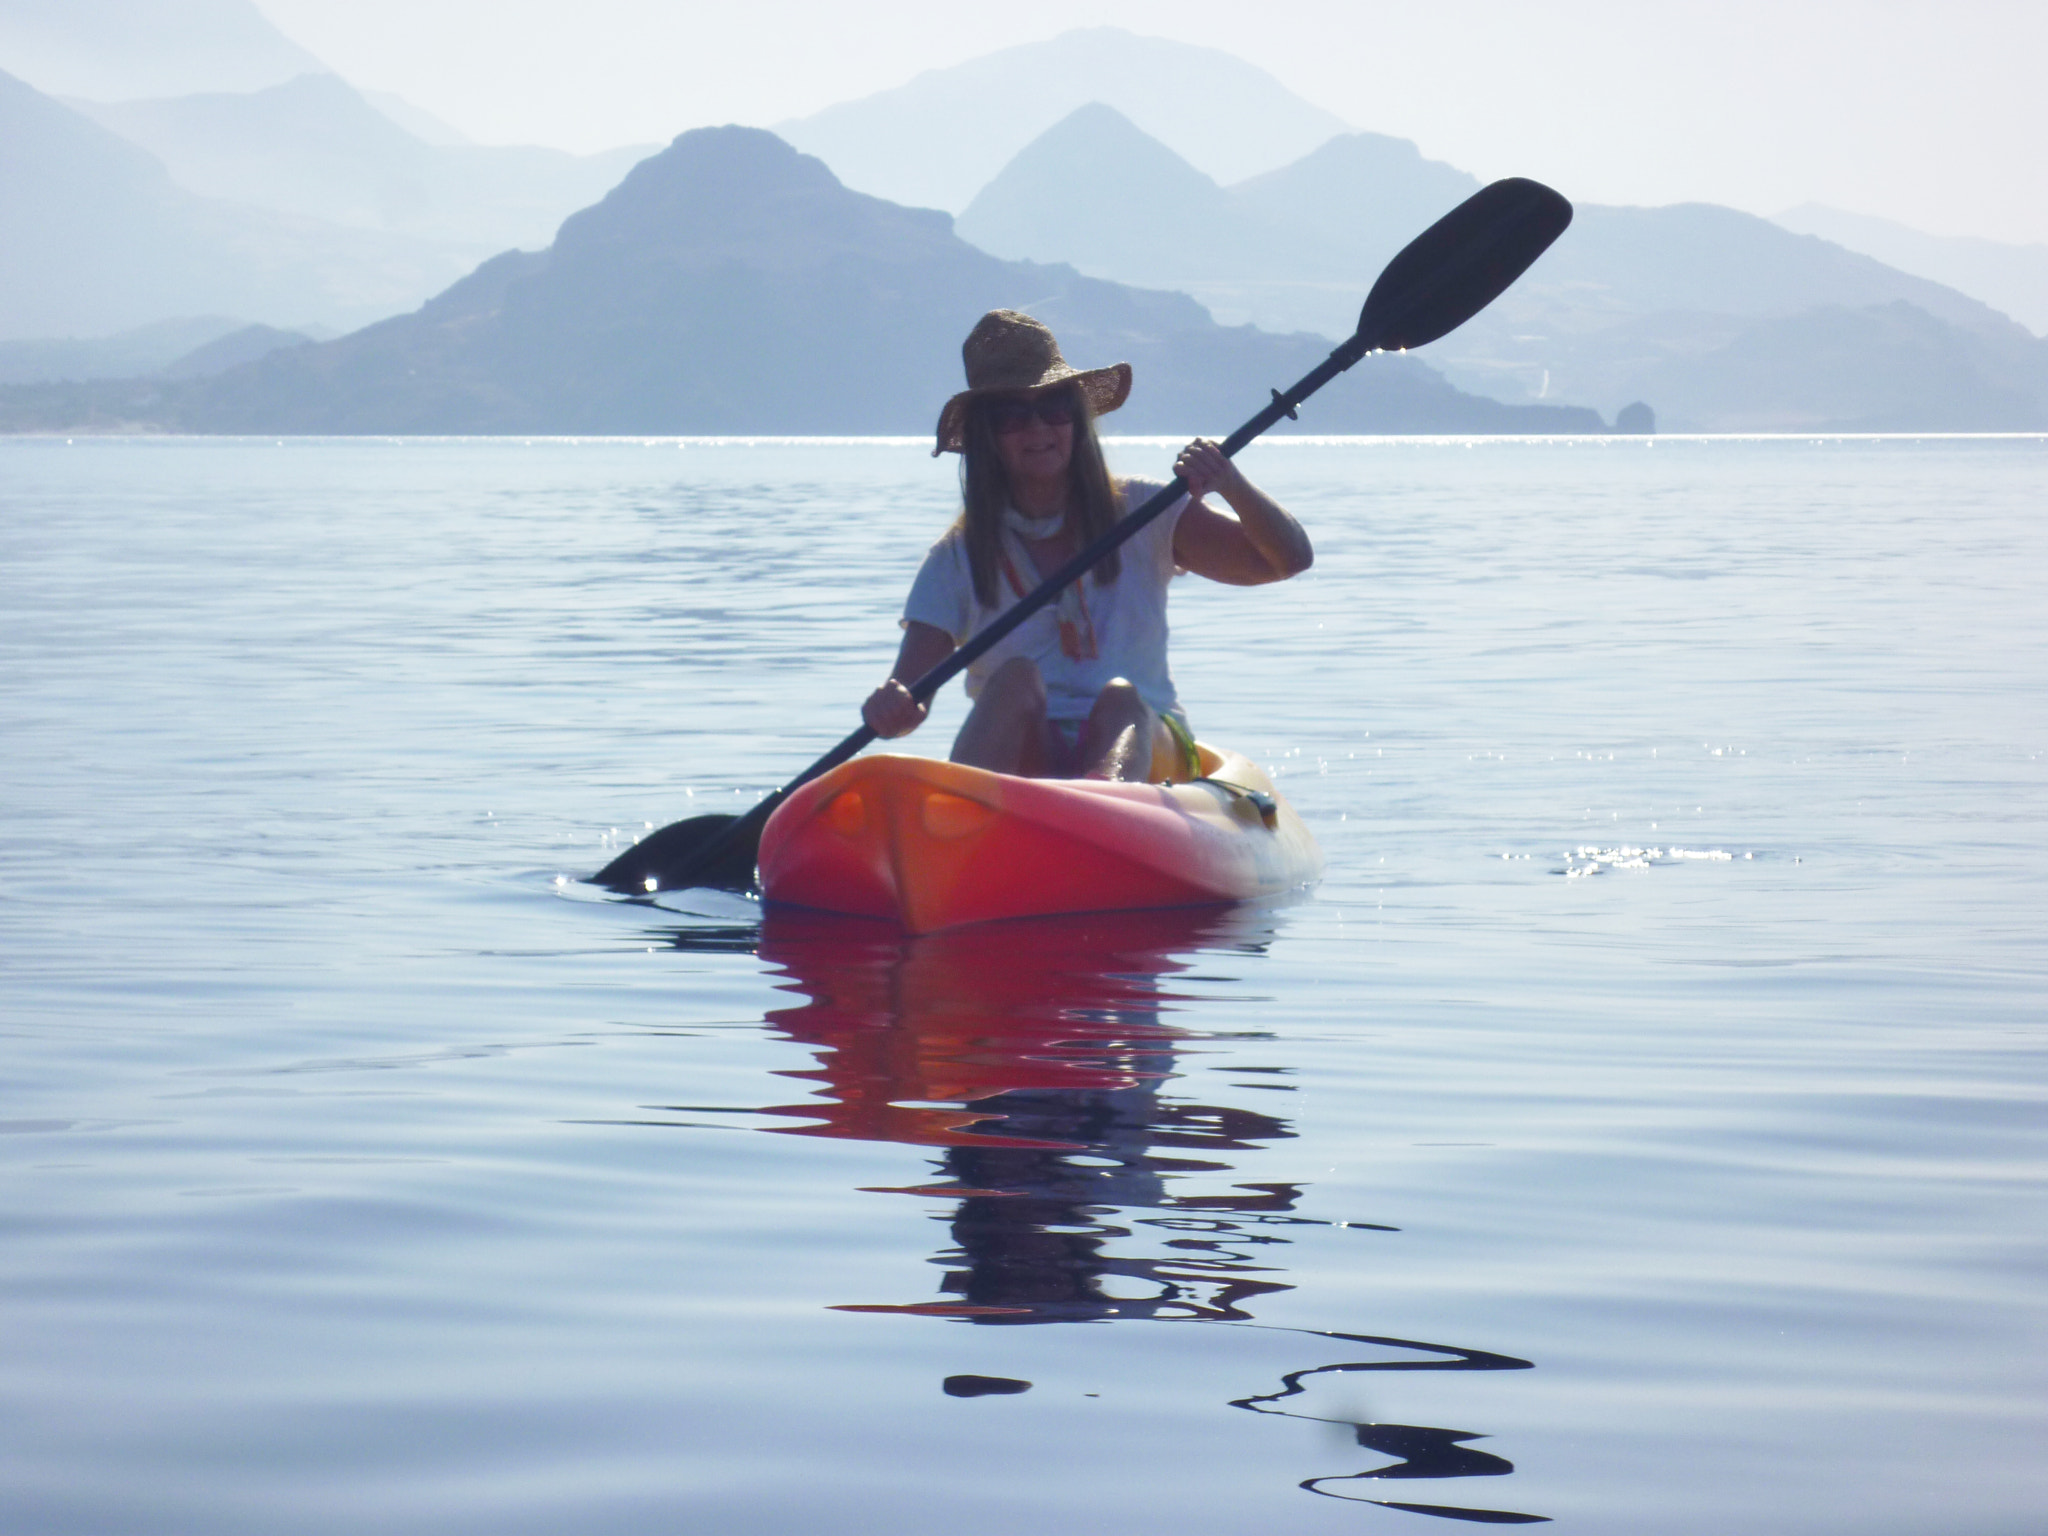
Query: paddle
{"x": 1445, "y": 276}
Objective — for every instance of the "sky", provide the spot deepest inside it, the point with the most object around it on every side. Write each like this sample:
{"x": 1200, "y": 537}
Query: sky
{"x": 1928, "y": 114}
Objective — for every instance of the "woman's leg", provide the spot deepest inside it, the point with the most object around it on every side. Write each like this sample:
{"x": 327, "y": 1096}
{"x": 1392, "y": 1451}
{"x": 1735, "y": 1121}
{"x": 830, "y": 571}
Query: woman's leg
{"x": 1121, "y": 736}
{"x": 1006, "y": 731}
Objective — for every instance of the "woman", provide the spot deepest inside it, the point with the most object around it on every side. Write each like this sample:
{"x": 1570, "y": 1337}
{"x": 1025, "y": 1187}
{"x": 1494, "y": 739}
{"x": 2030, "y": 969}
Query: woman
{"x": 1081, "y": 689}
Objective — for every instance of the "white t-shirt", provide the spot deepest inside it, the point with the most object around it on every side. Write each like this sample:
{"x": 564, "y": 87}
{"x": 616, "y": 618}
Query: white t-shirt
{"x": 1127, "y": 616}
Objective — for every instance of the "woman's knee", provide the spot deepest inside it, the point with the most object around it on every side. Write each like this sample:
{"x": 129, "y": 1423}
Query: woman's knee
{"x": 1120, "y": 700}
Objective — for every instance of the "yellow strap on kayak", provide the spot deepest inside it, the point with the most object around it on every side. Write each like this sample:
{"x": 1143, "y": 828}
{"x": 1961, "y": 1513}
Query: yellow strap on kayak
{"x": 1191, "y": 759}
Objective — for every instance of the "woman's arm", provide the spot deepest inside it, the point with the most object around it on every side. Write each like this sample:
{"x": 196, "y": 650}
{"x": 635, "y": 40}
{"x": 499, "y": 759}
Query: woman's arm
{"x": 890, "y": 710}
{"x": 1261, "y": 543}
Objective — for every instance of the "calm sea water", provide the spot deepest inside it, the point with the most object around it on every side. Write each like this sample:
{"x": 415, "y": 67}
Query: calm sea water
{"x": 1640, "y": 1129}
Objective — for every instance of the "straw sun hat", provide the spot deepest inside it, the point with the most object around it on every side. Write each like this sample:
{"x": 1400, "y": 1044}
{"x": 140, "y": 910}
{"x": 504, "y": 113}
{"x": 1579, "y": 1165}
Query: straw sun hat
{"x": 1006, "y": 354}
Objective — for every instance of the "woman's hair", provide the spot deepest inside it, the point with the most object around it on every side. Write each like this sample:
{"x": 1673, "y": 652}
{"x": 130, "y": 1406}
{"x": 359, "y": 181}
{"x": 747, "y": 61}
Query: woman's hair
{"x": 985, "y": 493}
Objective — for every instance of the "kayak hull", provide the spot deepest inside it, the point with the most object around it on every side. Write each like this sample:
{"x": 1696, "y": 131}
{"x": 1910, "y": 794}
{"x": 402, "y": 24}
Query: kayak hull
{"x": 931, "y": 845}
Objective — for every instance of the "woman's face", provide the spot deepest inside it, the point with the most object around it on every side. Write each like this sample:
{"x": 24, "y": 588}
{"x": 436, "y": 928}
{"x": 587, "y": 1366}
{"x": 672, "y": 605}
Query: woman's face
{"x": 1033, "y": 448}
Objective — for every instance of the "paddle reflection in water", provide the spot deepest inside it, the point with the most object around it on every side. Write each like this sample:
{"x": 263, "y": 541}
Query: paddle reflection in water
{"x": 1036, "y": 1057}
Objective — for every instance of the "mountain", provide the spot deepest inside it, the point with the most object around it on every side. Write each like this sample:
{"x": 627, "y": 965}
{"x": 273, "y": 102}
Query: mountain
{"x": 1631, "y": 298}
{"x": 314, "y": 146}
{"x": 1630, "y": 304}
{"x": 114, "y": 49}
{"x": 95, "y": 237}
{"x": 232, "y": 350}
{"x": 1364, "y": 193}
{"x": 194, "y": 348}
{"x": 2011, "y": 278}
{"x": 1294, "y": 249}
{"x": 145, "y": 350}
{"x": 937, "y": 140}
{"x": 1139, "y": 210}
{"x": 732, "y": 285}
{"x": 1875, "y": 368}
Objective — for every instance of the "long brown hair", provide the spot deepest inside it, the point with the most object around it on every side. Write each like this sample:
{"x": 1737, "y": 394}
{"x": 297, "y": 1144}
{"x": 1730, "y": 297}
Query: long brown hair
{"x": 985, "y": 493}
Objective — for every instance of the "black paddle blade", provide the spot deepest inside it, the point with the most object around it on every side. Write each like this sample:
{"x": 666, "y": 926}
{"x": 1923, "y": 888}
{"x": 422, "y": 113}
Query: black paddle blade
{"x": 1462, "y": 263}
{"x": 684, "y": 853}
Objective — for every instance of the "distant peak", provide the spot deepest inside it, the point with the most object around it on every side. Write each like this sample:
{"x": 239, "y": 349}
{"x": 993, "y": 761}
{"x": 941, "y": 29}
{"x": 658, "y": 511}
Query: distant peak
{"x": 732, "y": 188}
{"x": 1094, "y": 129}
{"x": 1095, "y": 119}
{"x": 938, "y": 139}
{"x": 735, "y": 151}
{"x": 1098, "y": 111}
{"x": 1094, "y": 165}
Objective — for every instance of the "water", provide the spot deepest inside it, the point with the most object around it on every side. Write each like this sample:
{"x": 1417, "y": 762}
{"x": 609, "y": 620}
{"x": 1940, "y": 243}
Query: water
{"x": 365, "y": 1174}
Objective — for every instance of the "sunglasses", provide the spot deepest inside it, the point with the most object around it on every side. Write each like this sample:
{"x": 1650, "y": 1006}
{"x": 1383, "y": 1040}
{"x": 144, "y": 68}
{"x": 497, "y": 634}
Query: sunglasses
{"x": 1007, "y": 416}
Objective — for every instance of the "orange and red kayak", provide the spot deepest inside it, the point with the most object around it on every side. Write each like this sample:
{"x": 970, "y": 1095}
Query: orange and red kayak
{"x": 932, "y": 845}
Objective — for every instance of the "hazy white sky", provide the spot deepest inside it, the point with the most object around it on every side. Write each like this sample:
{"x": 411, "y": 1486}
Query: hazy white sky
{"x": 1931, "y": 114}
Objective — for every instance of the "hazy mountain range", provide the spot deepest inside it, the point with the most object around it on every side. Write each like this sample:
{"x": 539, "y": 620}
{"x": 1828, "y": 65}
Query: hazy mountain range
{"x": 1293, "y": 249}
{"x": 95, "y": 237}
{"x": 266, "y": 189}
{"x": 938, "y": 140}
{"x": 2011, "y": 278}
{"x": 1722, "y": 321}
{"x": 299, "y": 204}
{"x": 313, "y": 146}
{"x": 236, "y": 180}
{"x": 113, "y": 50}
{"x": 732, "y": 285}
{"x": 191, "y": 348}
{"x": 1727, "y": 323}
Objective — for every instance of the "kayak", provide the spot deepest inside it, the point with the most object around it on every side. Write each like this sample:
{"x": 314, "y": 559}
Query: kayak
{"x": 931, "y": 845}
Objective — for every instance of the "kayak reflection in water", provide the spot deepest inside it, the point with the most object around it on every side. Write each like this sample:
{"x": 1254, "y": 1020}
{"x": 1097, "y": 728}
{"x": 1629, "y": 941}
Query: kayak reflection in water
{"x": 1033, "y": 1056}
{"x": 1082, "y": 688}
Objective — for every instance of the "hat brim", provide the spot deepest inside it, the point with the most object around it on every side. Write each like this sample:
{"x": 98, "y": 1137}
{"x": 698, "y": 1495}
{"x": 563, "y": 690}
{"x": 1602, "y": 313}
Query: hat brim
{"x": 1104, "y": 389}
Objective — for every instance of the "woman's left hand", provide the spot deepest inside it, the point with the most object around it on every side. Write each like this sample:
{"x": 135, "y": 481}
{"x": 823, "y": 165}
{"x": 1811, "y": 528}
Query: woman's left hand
{"x": 1205, "y": 468}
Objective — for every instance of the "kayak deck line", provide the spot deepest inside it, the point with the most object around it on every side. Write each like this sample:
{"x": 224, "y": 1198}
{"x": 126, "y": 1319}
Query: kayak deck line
{"x": 931, "y": 845}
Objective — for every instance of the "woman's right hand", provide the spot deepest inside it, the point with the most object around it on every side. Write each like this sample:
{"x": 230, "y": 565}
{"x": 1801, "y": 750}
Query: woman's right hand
{"x": 891, "y": 712}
